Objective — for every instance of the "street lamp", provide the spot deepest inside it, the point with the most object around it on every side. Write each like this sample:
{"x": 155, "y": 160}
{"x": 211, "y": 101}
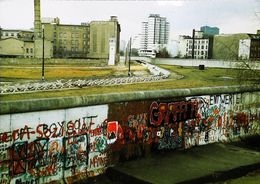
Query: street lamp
{"x": 129, "y": 72}
{"x": 42, "y": 52}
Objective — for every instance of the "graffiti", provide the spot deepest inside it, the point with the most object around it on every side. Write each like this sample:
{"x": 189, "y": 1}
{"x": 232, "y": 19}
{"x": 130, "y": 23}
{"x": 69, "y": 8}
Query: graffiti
{"x": 97, "y": 161}
{"x": 112, "y": 131}
{"x": 227, "y": 99}
{"x": 172, "y": 112}
{"x": 4, "y": 178}
{"x": 78, "y": 144}
{"x": 32, "y": 181}
{"x": 39, "y": 158}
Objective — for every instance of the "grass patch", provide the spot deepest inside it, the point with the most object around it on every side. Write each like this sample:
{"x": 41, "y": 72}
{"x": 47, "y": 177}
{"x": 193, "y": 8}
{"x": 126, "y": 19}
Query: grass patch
{"x": 55, "y": 72}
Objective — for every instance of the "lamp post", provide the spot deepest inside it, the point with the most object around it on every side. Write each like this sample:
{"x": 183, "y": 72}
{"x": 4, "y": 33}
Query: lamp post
{"x": 42, "y": 52}
{"x": 129, "y": 72}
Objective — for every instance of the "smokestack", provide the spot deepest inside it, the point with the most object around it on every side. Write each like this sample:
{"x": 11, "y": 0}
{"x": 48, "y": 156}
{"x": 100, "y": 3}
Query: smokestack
{"x": 37, "y": 19}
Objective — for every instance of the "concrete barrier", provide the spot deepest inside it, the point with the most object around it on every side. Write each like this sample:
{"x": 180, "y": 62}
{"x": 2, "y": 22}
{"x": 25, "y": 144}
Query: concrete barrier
{"x": 208, "y": 63}
{"x": 73, "y": 138}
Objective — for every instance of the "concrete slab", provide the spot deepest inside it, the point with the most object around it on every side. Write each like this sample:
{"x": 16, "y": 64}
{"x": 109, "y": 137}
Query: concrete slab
{"x": 186, "y": 166}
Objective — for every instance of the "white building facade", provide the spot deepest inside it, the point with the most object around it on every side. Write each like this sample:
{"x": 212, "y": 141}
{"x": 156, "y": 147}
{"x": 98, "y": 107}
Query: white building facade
{"x": 155, "y": 33}
{"x": 201, "y": 46}
{"x": 244, "y": 48}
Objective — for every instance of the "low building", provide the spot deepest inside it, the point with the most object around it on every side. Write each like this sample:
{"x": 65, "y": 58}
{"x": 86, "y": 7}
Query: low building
{"x": 14, "y": 47}
{"x": 236, "y": 46}
{"x": 16, "y": 43}
{"x": 9, "y": 33}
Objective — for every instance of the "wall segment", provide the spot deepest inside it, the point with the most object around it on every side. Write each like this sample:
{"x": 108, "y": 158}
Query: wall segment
{"x": 80, "y": 139}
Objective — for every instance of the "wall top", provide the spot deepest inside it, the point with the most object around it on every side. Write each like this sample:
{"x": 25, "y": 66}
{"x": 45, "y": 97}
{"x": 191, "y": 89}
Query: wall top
{"x": 20, "y": 106}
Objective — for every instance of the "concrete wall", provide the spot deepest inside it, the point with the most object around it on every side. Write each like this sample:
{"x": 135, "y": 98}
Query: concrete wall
{"x": 207, "y": 63}
{"x": 68, "y": 139}
{"x": 226, "y": 46}
{"x": 37, "y": 61}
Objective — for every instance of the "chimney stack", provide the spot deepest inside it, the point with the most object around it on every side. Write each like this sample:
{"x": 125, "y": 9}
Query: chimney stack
{"x": 37, "y": 19}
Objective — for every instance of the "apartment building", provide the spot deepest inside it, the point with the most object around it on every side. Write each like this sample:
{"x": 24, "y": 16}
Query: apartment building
{"x": 155, "y": 33}
{"x": 201, "y": 46}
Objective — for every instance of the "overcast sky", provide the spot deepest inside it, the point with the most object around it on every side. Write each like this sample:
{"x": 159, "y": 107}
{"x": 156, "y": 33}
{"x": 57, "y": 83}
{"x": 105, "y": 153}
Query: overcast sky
{"x": 231, "y": 16}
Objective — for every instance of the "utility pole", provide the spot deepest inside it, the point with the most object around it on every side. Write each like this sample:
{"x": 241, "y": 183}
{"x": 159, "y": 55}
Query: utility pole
{"x": 42, "y": 52}
{"x": 193, "y": 43}
{"x": 126, "y": 54}
{"x": 129, "y": 72}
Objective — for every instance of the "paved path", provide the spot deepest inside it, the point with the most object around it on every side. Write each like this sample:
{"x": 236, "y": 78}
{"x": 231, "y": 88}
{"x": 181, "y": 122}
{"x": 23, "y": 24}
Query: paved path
{"x": 186, "y": 166}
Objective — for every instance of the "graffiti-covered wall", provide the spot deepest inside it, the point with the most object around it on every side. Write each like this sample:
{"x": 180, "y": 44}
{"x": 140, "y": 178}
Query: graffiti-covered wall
{"x": 76, "y": 143}
{"x": 183, "y": 122}
{"x": 42, "y": 147}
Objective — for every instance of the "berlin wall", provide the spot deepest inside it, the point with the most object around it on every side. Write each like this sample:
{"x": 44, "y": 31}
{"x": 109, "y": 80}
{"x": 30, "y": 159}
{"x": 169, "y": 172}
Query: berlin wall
{"x": 71, "y": 143}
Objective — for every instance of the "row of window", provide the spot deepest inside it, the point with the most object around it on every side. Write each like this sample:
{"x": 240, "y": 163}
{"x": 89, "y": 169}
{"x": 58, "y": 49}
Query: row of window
{"x": 64, "y": 49}
{"x": 198, "y": 47}
{"x": 73, "y": 35}
{"x": 10, "y": 34}
{"x": 29, "y": 50}
{"x": 202, "y": 53}
{"x": 198, "y": 42}
{"x": 73, "y": 42}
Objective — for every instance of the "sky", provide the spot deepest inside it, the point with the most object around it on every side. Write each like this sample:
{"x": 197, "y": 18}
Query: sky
{"x": 231, "y": 16}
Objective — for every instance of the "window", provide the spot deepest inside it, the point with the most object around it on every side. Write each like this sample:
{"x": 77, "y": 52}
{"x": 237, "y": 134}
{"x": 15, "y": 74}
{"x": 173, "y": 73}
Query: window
{"x": 84, "y": 42}
{"x": 12, "y": 34}
{"x": 6, "y": 34}
{"x": 72, "y": 49}
{"x": 76, "y": 42}
{"x": 206, "y": 46}
{"x": 84, "y": 35}
{"x": 60, "y": 42}
{"x": 60, "y": 34}
{"x": 72, "y": 35}
{"x": 198, "y": 47}
{"x": 72, "y": 42}
{"x": 202, "y": 52}
{"x": 77, "y": 35}
{"x": 76, "y": 49}
{"x": 202, "y": 46}
{"x": 31, "y": 50}
{"x": 55, "y": 34}
{"x": 65, "y": 49}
